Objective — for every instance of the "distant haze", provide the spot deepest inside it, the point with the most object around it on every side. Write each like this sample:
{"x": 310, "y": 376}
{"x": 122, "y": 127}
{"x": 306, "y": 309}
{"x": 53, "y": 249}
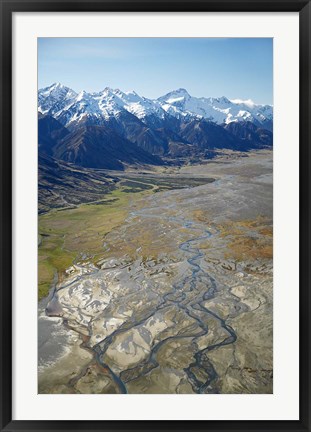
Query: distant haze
{"x": 238, "y": 68}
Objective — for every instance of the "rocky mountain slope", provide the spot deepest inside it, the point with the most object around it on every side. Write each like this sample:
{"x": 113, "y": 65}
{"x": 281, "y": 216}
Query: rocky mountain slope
{"x": 111, "y": 129}
{"x": 61, "y": 184}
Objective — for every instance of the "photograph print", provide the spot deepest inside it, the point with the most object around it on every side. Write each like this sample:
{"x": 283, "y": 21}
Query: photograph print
{"x": 155, "y": 216}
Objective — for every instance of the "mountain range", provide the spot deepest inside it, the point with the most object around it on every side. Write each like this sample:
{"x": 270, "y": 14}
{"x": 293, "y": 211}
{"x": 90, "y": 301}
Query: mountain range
{"x": 112, "y": 129}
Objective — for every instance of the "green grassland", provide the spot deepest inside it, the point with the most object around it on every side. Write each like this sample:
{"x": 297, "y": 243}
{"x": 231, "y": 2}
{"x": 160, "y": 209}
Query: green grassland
{"x": 67, "y": 234}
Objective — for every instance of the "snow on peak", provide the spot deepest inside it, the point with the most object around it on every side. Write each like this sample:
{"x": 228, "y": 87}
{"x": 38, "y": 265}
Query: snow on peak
{"x": 175, "y": 96}
{"x": 54, "y": 95}
{"x": 55, "y": 86}
{"x": 182, "y": 91}
{"x": 58, "y": 85}
{"x": 219, "y": 110}
{"x": 56, "y": 89}
{"x": 82, "y": 95}
{"x": 68, "y": 106}
{"x": 132, "y": 93}
{"x": 224, "y": 100}
{"x": 248, "y": 102}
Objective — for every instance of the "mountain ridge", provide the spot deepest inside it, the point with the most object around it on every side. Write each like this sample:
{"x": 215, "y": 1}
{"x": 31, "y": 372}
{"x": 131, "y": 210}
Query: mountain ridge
{"x": 178, "y": 103}
{"x": 112, "y": 129}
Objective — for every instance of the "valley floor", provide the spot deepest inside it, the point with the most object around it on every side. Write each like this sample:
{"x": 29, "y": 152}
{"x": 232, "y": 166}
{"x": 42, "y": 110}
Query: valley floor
{"x": 160, "y": 289}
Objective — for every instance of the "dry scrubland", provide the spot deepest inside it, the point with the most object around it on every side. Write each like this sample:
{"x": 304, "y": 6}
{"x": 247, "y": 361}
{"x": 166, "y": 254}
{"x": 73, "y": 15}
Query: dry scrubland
{"x": 162, "y": 290}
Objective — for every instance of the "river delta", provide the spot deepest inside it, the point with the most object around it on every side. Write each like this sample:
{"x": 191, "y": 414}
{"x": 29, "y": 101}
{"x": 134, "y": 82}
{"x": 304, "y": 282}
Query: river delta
{"x": 164, "y": 286}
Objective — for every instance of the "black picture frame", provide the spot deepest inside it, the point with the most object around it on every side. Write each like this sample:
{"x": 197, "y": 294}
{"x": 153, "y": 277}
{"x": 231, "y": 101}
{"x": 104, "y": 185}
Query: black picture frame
{"x": 7, "y": 9}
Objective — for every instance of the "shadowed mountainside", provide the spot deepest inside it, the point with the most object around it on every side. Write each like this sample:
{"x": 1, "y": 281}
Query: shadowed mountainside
{"x": 65, "y": 185}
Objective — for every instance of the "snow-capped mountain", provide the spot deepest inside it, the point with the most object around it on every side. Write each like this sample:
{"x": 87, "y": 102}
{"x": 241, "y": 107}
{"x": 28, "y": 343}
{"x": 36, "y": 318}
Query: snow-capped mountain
{"x": 71, "y": 108}
{"x": 112, "y": 128}
{"x": 219, "y": 110}
{"x": 55, "y": 97}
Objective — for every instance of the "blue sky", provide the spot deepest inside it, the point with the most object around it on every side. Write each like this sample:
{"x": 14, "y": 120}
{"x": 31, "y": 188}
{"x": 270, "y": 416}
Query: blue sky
{"x": 232, "y": 67}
